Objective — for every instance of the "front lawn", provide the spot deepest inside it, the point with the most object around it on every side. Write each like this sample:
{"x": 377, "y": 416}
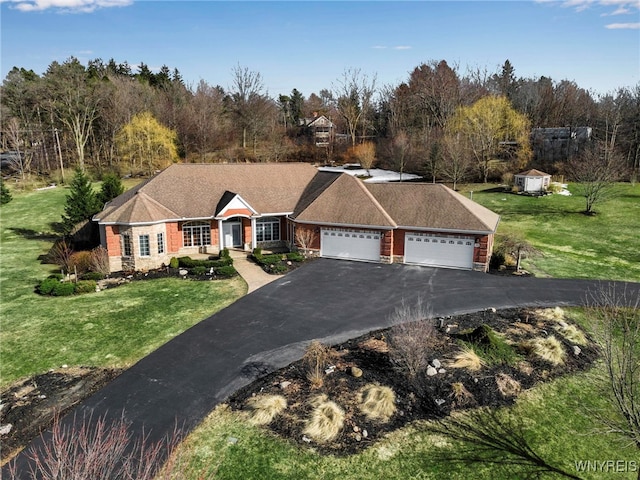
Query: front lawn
{"x": 112, "y": 328}
{"x": 603, "y": 246}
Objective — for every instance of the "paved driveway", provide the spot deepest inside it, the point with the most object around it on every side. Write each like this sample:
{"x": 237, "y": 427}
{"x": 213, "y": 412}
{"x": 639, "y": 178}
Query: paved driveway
{"x": 329, "y": 300}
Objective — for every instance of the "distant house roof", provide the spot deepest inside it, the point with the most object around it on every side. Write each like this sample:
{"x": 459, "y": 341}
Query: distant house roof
{"x": 533, "y": 173}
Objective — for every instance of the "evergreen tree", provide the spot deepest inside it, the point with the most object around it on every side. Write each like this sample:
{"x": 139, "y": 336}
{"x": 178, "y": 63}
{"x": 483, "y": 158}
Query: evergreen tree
{"x": 5, "y": 194}
{"x": 111, "y": 188}
{"x": 81, "y": 203}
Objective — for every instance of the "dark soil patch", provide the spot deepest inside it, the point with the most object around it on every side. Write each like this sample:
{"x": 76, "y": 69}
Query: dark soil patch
{"x": 422, "y": 397}
{"x": 30, "y": 406}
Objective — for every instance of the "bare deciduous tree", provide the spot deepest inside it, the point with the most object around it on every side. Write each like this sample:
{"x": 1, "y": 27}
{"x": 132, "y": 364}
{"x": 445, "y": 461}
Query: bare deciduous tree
{"x": 455, "y": 164}
{"x": 354, "y": 93}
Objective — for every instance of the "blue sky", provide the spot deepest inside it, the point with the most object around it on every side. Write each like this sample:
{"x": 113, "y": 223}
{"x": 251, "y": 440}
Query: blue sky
{"x": 308, "y": 45}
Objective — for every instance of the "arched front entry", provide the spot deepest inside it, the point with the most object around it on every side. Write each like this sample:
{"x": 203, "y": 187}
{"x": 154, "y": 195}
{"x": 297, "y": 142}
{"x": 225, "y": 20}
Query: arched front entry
{"x": 232, "y": 233}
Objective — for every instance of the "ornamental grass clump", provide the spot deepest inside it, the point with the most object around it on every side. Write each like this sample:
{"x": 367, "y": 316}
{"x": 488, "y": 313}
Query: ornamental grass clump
{"x": 545, "y": 348}
{"x": 377, "y": 402}
{"x": 572, "y": 333}
{"x": 467, "y": 358}
{"x": 326, "y": 422}
{"x": 507, "y": 385}
{"x": 264, "y": 408}
{"x": 316, "y": 358}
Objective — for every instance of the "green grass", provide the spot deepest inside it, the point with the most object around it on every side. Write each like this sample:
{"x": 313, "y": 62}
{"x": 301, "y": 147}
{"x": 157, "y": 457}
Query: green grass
{"x": 112, "y": 328}
{"x": 603, "y": 246}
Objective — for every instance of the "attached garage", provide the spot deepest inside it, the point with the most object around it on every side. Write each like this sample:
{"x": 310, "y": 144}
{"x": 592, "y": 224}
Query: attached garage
{"x": 351, "y": 244}
{"x": 451, "y": 251}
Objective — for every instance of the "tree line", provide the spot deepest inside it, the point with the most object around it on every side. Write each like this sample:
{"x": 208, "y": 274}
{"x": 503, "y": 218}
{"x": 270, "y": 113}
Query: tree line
{"x": 440, "y": 122}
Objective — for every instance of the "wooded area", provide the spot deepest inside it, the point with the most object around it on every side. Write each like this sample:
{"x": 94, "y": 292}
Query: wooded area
{"x": 440, "y": 122}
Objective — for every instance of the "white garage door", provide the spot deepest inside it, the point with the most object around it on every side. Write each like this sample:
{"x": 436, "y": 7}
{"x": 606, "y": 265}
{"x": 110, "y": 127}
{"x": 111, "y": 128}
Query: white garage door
{"x": 352, "y": 244}
{"x": 439, "y": 250}
{"x": 534, "y": 184}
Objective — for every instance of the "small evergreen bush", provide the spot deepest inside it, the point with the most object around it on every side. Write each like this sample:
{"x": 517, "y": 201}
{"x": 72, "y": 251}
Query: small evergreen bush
{"x": 226, "y": 271}
{"x": 47, "y": 285}
{"x": 85, "y": 286}
{"x": 174, "y": 263}
{"x": 64, "y": 289}
{"x": 199, "y": 270}
{"x": 224, "y": 253}
{"x": 257, "y": 253}
{"x": 295, "y": 256}
{"x": 186, "y": 262}
{"x": 92, "y": 276}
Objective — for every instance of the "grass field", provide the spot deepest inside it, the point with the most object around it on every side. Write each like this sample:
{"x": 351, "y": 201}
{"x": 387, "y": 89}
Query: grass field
{"x": 112, "y": 328}
{"x": 574, "y": 245}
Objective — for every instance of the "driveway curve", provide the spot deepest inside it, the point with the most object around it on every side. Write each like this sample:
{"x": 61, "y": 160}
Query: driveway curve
{"x": 327, "y": 300}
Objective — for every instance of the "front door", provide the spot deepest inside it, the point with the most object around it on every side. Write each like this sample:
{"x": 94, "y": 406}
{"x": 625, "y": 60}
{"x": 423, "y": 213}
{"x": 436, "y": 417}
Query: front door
{"x": 232, "y": 233}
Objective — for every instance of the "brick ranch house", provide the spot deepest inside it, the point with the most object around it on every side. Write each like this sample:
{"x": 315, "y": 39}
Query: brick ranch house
{"x": 202, "y": 208}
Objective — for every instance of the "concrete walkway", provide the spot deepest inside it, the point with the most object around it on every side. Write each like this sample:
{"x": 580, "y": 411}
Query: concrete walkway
{"x": 255, "y": 276}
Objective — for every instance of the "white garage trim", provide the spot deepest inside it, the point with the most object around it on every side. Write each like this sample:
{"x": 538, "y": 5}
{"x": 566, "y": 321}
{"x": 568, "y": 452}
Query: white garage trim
{"x": 350, "y": 243}
{"x": 451, "y": 251}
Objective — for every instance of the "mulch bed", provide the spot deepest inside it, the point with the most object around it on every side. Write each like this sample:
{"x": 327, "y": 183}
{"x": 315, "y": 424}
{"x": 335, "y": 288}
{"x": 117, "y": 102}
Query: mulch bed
{"x": 423, "y": 397}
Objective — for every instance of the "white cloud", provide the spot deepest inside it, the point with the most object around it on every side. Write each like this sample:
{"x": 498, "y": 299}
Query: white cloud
{"x": 76, "y": 6}
{"x": 378, "y": 47}
{"x": 622, "y": 26}
{"x": 402, "y": 47}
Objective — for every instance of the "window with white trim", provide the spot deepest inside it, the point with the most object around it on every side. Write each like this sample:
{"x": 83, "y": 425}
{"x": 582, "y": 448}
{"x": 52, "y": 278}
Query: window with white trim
{"x": 160, "y": 238}
{"x": 127, "y": 251}
{"x": 143, "y": 243}
{"x": 196, "y": 234}
{"x": 267, "y": 229}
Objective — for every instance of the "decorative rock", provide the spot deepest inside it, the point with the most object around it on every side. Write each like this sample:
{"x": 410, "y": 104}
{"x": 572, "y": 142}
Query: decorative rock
{"x": 306, "y": 439}
{"x": 356, "y": 428}
{"x": 442, "y": 370}
{"x": 65, "y": 366}
{"x": 183, "y": 272}
{"x": 232, "y": 440}
{"x": 440, "y": 401}
{"x": 329, "y": 370}
{"x": 365, "y": 434}
{"x": 577, "y": 350}
{"x": 5, "y": 429}
{"x": 431, "y": 371}
{"x": 356, "y": 372}
{"x": 358, "y": 437}
{"x": 285, "y": 384}
{"x": 436, "y": 363}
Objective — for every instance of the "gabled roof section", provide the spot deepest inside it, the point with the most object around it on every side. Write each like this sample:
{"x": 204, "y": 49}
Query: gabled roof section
{"x": 230, "y": 202}
{"x": 343, "y": 200}
{"x": 140, "y": 208}
{"x": 433, "y": 206}
{"x": 533, "y": 173}
{"x": 195, "y": 190}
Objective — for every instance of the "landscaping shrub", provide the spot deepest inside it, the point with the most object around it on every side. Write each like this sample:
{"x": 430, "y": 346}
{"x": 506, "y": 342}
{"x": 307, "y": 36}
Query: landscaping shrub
{"x": 47, "y": 285}
{"x": 257, "y": 253}
{"x": 572, "y": 333}
{"x": 80, "y": 262}
{"x": 100, "y": 261}
{"x": 174, "y": 263}
{"x": 199, "y": 270}
{"x": 226, "y": 271}
{"x": 85, "y": 286}
{"x": 92, "y": 276}
{"x": 186, "y": 262}
{"x": 467, "y": 358}
{"x": 549, "y": 349}
{"x": 507, "y": 385}
{"x": 295, "y": 257}
{"x": 377, "y": 402}
{"x": 461, "y": 396}
{"x": 264, "y": 408}
{"x": 63, "y": 289}
{"x": 410, "y": 339}
{"x": 224, "y": 253}
{"x": 60, "y": 254}
{"x": 490, "y": 345}
{"x": 316, "y": 358}
{"x": 327, "y": 419}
